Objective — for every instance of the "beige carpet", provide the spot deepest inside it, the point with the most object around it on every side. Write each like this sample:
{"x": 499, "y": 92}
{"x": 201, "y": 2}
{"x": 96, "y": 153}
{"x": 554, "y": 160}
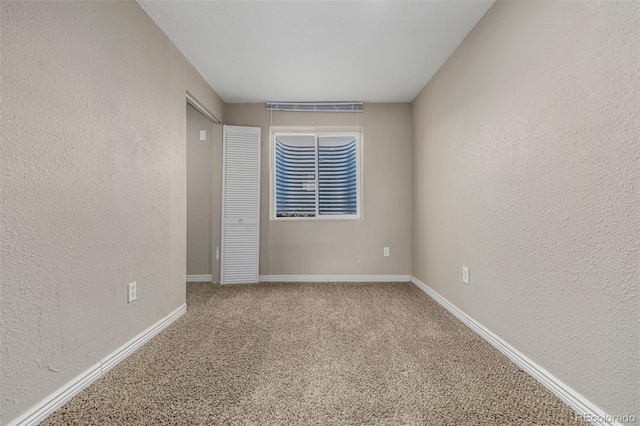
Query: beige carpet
{"x": 315, "y": 354}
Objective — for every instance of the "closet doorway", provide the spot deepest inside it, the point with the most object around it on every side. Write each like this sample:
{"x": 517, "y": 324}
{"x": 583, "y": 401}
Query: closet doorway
{"x": 204, "y": 187}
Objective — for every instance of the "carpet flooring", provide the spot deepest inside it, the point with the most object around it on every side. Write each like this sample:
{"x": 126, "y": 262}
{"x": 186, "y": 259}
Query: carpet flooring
{"x": 315, "y": 354}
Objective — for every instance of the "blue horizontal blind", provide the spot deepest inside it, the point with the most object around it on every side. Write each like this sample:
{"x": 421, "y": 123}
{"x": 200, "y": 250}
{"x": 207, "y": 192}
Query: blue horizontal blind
{"x": 295, "y": 180}
{"x": 296, "y": 186}
{"x": 337, "y": 178}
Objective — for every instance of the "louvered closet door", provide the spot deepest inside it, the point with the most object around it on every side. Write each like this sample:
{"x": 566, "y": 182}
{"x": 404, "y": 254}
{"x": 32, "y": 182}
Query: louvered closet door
{"x": 240, "y": 205}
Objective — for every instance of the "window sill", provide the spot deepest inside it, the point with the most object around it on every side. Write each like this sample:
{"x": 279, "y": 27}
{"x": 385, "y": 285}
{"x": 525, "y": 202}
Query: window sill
{"x": 316, "y": 218}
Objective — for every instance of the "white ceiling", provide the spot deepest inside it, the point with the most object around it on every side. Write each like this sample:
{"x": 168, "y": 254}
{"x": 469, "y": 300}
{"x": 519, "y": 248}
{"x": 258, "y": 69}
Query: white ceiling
{"x": 372, "y": 51}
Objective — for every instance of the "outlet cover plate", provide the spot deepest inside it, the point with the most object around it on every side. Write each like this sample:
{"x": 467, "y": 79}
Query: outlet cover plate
{"x": 465, "y": 275}
{"x": 131, "y": 292}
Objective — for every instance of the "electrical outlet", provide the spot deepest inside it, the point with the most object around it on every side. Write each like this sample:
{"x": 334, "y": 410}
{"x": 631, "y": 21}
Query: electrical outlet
{"x": 465, "y": 275}
{"x": 131, "y": 293}
{"x": 203, "y": 135}
{"x": 386, "y": 252}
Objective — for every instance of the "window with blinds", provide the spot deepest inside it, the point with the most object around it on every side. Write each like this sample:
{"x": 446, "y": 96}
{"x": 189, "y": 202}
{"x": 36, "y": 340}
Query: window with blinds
{"x": 316, "y": 175}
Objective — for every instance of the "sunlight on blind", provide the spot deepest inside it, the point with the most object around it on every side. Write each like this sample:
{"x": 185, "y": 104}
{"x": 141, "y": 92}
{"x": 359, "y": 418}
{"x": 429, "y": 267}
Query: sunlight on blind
{"x": 337, "y": 180}
{"x": 295, "y": 165}
{"x": 298, "y": 192}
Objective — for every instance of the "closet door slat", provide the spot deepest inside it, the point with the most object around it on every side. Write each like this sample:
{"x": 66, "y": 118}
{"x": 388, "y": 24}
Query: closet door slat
{"x": 240, "y": 205}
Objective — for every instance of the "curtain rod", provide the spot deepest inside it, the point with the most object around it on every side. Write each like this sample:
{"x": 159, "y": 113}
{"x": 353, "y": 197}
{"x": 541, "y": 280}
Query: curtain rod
{"x": 315, "y": 106}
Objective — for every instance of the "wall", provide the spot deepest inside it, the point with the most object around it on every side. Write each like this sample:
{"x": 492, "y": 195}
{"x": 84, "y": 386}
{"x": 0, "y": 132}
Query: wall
{"x": 204, "y": 187}
{"x": 329, "y": 247}
{"x": 525, "y": 169}
{"x": 93, "y": 180}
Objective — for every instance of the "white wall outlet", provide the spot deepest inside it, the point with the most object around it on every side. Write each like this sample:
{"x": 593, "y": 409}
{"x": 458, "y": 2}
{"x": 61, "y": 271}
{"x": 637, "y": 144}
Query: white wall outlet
{"x": 203, "y": 135}
{"x": 386, "y": 252}
{"x": 465, "y": 275}
{"x": 131, "y": 292}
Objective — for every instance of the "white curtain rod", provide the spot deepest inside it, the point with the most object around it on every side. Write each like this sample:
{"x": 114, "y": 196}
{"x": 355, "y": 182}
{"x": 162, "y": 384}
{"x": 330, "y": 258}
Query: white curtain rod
{"x": 315, "y": 106}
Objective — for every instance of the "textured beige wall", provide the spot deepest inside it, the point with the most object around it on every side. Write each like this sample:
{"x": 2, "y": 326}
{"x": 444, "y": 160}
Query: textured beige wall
{"x": 93, "y": 180}
{"x": 204, "y": 186}
{"x": 328, "y": 247}
{"x": 526, "y": 159}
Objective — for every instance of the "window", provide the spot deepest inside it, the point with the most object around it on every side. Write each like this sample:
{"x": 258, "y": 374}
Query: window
{"x": 316, "y": 175}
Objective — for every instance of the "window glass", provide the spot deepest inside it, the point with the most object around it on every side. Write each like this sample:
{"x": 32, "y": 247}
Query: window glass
{"x": 316, "y": 175}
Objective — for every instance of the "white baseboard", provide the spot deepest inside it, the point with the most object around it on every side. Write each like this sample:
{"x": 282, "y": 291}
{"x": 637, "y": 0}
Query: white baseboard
{"x": 199, "y": 278}
{"x": 51, "y": 403}
{"x": 569, "y": 396}
{"x": 333, "y": 278}
{"x": 54, "y": 401}
{"x": 132, "y": 345}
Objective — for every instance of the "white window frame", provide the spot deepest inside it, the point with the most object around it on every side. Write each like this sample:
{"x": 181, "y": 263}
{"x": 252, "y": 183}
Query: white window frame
{"x": 317, "y": 133}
